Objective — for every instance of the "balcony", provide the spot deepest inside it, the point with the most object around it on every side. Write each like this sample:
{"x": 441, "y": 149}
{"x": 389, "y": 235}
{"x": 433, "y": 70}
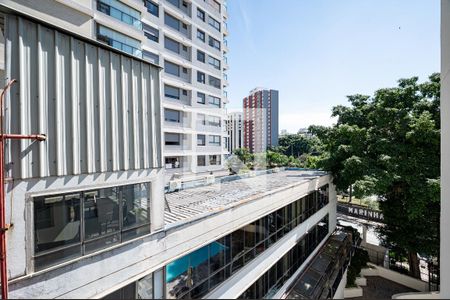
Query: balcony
{"x": 120, "y": 15}
{"x": 208, "y": 128}
{"x": 181, "y": 5}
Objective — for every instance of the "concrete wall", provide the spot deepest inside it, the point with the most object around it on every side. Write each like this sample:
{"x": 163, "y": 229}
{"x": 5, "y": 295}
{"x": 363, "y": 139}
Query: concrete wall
{"x": 445, "y": 149}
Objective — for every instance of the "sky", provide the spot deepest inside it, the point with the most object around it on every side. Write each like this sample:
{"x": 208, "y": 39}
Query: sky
{"x": 316, "y": 52}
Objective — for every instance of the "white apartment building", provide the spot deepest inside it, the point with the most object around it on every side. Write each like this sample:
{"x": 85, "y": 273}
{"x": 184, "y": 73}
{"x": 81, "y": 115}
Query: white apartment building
{"x": 235, "y": 129}
{"x": 185, "y": 37}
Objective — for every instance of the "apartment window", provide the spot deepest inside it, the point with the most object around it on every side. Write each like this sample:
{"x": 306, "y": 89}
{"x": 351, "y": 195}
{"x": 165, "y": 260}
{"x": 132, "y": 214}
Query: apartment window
{"x": 172, "y": 45}
{"x": 172, "y": 22}
{"x": 214, "y": 62}
{"x": 213, "y": 22}
{"x": 171, "y": 92}
{"x": 201, "y": 140}
{"x": 140, "y": 289}
{"x": 152, "y": 7}
{"x": 214, "y": 101}
{"x": 118, "y": 40}
{"x": 120, "y": 11}
{"x": 201, "y": 14}
{"x": 151, "y": 57}
{"x": 214, "y": 140}
{"x": 201, "y": 56}
{"x": 151, "y": 33}
{"x": 171, "y": 68}
{"x": 215, "y": 4}
{"x": 59, "y": 220}
{"x": 214, "y": 121}
{"x": 213, "y": 81}
{"x": 172, "y": 163}
{"x": 214, "y": 160}
{"x": 201, "y": 119}
{"x": 171, "y": 115}
{"x": 214, "y": 43}
{"x": 201, "y": 35}
{"x": 201, "y": 77}
{"x": 201, "y": 160}
{"x": 201, "y": 98}
{"x": 172, "y": 139}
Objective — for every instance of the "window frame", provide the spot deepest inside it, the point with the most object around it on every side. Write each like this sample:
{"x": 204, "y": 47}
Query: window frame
{"x": 83, "y": 241}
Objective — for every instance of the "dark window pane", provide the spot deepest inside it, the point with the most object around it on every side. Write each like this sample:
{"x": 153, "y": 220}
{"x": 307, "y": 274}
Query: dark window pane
{"x": 199, "y": 291}
{"x": 101, "y": 212}
{"x": 216, "y": 279}
{"x": 177, "y": 282}
{"x": 198, "y": 263}
{"x": 217, "y": 252}
{"x": 57, "y": 257}
{"x": 56, "y": 221}
{"x": 237, "y": 243}
{"x": 135, "y": 205}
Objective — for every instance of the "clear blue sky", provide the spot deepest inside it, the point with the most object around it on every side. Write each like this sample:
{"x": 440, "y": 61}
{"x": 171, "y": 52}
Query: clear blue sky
{"x": 316, "y": 52}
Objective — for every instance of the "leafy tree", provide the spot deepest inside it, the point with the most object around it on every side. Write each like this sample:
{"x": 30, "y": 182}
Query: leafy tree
{"x": 389, "y": 145}
{"x": 244, "y": 155}
{"x": 298, "y": 144}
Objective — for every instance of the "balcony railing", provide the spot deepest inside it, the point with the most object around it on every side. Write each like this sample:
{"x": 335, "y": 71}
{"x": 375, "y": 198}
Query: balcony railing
{"x": 119, "y": 45}
{"x": 118, "y": 14}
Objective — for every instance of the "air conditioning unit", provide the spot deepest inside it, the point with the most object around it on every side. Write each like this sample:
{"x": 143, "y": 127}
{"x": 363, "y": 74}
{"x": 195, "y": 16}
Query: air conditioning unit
{"x": 210, "y": 179}
{"x": 174, "y": 185}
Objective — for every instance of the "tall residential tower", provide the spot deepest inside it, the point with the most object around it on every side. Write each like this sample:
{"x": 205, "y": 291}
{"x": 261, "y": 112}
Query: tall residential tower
{"x": 260, "y": 119}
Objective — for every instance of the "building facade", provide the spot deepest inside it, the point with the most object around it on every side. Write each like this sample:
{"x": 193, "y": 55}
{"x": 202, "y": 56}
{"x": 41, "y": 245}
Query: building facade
{"x": 235, "y": 129}
{"x": 260, "y": 120}
{"x": 187, "y": 39}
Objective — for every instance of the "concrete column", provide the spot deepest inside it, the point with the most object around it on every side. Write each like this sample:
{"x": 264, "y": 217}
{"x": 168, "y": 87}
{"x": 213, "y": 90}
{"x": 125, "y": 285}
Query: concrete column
{"x": 157, "y": 202}
{"x": 333, "y": 205}
{"x": 445, "y": 150}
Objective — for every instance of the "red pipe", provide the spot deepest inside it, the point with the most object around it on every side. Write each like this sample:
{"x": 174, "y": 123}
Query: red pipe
{"x": 3, "y": 226}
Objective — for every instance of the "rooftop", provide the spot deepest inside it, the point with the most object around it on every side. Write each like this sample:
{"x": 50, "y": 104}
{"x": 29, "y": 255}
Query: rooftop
{"x": 190, "y": 204}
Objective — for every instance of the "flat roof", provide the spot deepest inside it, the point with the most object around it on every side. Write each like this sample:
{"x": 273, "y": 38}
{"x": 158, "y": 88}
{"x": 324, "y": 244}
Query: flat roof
{"x": 190, "y": 204}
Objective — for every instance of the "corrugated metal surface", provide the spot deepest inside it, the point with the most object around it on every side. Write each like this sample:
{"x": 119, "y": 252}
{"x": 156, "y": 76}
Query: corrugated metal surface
{"x": 100, "y": 109}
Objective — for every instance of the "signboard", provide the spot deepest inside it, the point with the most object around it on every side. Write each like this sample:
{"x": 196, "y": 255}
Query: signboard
{"x": 360, "y": 212}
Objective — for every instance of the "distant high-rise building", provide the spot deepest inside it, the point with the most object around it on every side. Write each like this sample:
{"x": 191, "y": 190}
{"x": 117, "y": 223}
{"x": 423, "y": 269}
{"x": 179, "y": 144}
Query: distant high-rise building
{"x": 260, "y": 119}
{"x": 235, "y": 128}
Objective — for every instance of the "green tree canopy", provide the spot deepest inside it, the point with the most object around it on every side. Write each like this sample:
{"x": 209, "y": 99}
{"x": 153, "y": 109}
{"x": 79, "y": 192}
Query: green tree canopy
{"x": 389, "y": 145}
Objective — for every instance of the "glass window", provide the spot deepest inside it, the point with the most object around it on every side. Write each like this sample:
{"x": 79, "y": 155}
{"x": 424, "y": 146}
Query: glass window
{"x": 214, "y": 62}
{"x": 201, "y": 119}
{"x": 214, "y": 121}
{"x": 201, "y": 160}
{"x": 214, "y": 100}
{"x": 178, "y": 277}
{"x": 214, "y": 139}
{"x": 101, "y": 216}
{"x": 214, "y": 160}
{"x": 151, "y": 32}
{"x": 201, "y": 14}
{"x": 152, "y": 7}
{"x": 171, "y": 92}
{"x": 118, "y": 40}
{"x": 213, "y": 81}
{"x": 151, "y": 57}
{"x": 144, "y": 288}
{"x": 172, "y": 138}
{"x": 57, "y": 224}
{"x": 172, "y": 22}
{"x": 201, "y": 140}
{"x": 120, "y": 11}
{"x": 214, "y": 23}
{"x": 201, "y": 98}
{"x": 201, "y": 56}
{"x": 214, "y": 43}
{"x": 201, "y": 77}
{"x": 171, "y": 68}
{"x": 135, "y": 209}
{"x": 201, "y": 35}
{"x": 172, "y": 45}
{"x": 171, "y": 115}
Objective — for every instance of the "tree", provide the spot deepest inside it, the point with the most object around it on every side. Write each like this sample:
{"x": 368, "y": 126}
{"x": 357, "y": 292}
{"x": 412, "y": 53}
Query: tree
{"x": 389, "y": 145}
{"x": 244, "y": 155}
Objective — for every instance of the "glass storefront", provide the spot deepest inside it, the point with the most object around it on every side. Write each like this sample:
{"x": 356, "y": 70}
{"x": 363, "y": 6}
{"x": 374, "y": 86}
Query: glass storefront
{"x": 196, "y": 274}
